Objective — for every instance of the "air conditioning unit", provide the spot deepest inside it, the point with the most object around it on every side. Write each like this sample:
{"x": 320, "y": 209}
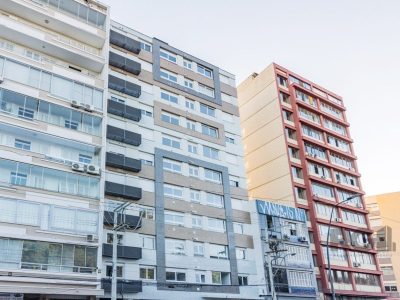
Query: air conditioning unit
{"x": 366, "y": 245}
{"x": 353, "y": 243}
{"x": 92, "y": 169}
{"x": 286, "y": 237}
{"x": 323, "y": 177}
{"x": 359, "y": 205}
{"x": 78, "y": 167}
{"x": 91, "y": 238}
{"x": 302, "y": 239}
{"x": 341, "y": 242}
{"x": 338, "y": 220}
{"x": 195, "y": 238}
{"x": 356, "y": 264}
{"x": 1, "y": 79}
{"x": 88, "y": 107}
{"x": 75, "y": 104}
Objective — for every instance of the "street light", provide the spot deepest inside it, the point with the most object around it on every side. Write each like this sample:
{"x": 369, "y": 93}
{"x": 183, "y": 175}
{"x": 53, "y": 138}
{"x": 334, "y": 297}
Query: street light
{"x": 271, "y": 275}
{"x": 327, "y": 242}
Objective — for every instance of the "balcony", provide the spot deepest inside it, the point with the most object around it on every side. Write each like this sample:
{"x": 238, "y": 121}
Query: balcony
{"x": 67, "y": 17}
{"x": 124, "y": 63}
{"x": 124, "y": 252}
{"x": 125, "y": 42}
{"x": 124, "y": 136}
{"x": 123, "y": 110}
{"x": 124, "y": 87}
{"x": 131, "y": 221}
{"x": 122, "y": 162}
{"x": 50, "y": 42}
{"x": 123, "y": 286}
{"x": 124, "y": 191}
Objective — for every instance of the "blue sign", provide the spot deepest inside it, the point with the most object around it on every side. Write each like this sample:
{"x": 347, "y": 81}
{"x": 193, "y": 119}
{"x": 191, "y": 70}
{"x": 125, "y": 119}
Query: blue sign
{"x": 281, "y": 211}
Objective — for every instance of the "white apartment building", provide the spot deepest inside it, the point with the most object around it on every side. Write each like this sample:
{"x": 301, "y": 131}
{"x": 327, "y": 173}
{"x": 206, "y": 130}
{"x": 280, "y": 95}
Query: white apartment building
{"x": 94, "y": 114}
{"x": 52, "y": 105}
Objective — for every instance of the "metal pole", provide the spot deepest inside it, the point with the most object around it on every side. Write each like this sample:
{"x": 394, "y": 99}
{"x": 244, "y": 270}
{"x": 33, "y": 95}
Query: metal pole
{"x": 114, "y": 258}
{"x": 271, "y": 277}
{"x": 328, "y": 258}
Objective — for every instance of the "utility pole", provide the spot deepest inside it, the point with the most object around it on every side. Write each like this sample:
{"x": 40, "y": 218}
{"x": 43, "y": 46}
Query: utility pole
{"x": 116, "y": 227}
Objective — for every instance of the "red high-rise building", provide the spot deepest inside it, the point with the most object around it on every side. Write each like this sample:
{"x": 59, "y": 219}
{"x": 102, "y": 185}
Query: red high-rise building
{"x": 298, "y": 151}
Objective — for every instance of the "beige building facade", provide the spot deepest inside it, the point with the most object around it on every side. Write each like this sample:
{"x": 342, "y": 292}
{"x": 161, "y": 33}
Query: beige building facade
{"x": 383, "y": 216}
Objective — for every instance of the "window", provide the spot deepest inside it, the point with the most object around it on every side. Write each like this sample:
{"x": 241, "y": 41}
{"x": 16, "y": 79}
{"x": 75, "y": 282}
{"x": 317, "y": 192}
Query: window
{"x": 168, "y": 75}
{"x": 193, "y": 171}
{"x": 331, "y": 110}
{"x": 145, "y": 46}
{"x": 243, "y": 280}
{"x": 173, "y": 191}
{"x": 146, "y": 213}
{"x": 71, "y": 124}
{"x": 215, "y": 200}
{"x": 176, "y": 247}
{"x": 147, "y": 273}
{"x": 192, "y": 148}
{"x": 25, "y": 113}
{"x": 335, "y": 127}
{"x": 300, "y": 193}
{"x": 85, "y": 159}
{"x": 240, "y": 253}
{"x": 146, "y": 113}
{"x": 300, "y": 279}
{"x": 203, "y": 89}
{"x": 216, "y": 224}
{"x": 172, "y": 166}
{"x": 175, "y": 276}
{"x": 346, "y": 179}
{"x": 319, "y": 170}
{"x": 238, "y": 228}
{"x": 195, "y": 196}
{"x": 322, "y": 190}
{"x": 118, "y": 273}
{"x": 325, "y": 210}
{"x": 190, "y": 104}
{"x": 171, "y": 142}
{"x": 191, "y": 125}
{"x": 308, "y": 115}
{"x": 18, "y": 178}
{"x": 168, "y": 55}
{"x": 204, "y": 71}
{"x": 187, "y": 64}
{"x": 170, "y": 118}
{"x": 212, "y": 175}
{"x": 200, "y": 276}
{"x": 173, "y": 98}
{"x": 198, "y": 249}
{"x": 306, "y": 98}
{"x": 338, "y": 143}
{"x": 210, "y": 152}
{"x": 110, "y": 238}
{"x": 366, "y": 279}
{"x": 21, "y": 144}
{"x": 148, "y": 242}
{"x": 282, "y": 81}
{"x": 174, "y": 218}
{"x": 197, "y": 221}
{"x": 341, "y": 161}
{"x": 315, "y": 151}
{"x": 312, "y": 133}
{"x": 218, "y": 251}
{"x": 356, "y": 218}
{"x": 210, "y": 131}
{"x": 229, "y": 140}
{"x": 147, "y": 162}
{"x": 220, "y": 278}
{"x": 305, "y": 85}
{"x": 297, "y": 172}
{"x": 233, "y": 181}
{"x": 188, "y": 83}
{"x": 208, "y": 110}
{"x": 285, "y": 98}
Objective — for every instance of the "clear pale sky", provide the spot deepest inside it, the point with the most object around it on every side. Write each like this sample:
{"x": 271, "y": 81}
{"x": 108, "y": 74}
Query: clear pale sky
{"x": 349, "y": 47}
